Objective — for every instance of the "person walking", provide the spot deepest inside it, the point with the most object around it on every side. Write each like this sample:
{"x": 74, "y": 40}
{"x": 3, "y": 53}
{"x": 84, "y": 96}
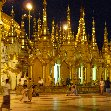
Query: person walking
{"x": 102, "y": 84}
{"x": 107, "y": 85}
{"x": 24, "y": 94}
{"x": 6, "y": 96}
{"x": 30, "y": 89}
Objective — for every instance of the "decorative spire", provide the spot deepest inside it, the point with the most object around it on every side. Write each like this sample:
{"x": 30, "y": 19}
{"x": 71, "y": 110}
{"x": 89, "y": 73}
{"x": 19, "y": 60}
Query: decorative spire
{"x": 34, "y": 29}
{"x": 94, "y": 44}
{"x": 69, "y": 32}
{"x": 23, "y": 39}
{"x": 61, "y": 34}
{"x": 22, "y": 24}
{"x": 12, "y": 12}
{"x": 12, "y": 33}
{"x": 39, "y": 28}
{"x": 44, "y": 26}
{"x": 105, "y": 44}
{"x": 81, "y": 35}
{"x": 53, "y": 31}
{"x": 57, "y": 33}
{"x": 105, "y": 35}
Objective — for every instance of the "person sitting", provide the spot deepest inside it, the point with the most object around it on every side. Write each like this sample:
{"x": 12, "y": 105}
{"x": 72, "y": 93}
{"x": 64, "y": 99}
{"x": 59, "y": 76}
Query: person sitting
{"x": 74, "y": 89}
{"x": 40, "y": 82}
{"x": 107, "y": 85}
{"x": 35, "y": 91}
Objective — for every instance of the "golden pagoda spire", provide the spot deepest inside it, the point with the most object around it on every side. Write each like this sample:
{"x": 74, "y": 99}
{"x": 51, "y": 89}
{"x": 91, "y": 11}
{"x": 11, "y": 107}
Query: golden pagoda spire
{"x": 83, "y": 26}
{"x": 44, "y": 26}
{"x": 39, "y": 28}
{"x": 12, "y": 33}
{"x": 105, "y": 44}
{"x": 105, "y": 35}
{"x": 53, "y": 31}
{"x": 94, "y": 44}
{"x": 61, "y": 34}
{"x": 34, "y": 25}
{"x": 23, "y": 24}
{"x": 68, "y": 16}
{"x": 34, "y": 30}
{"x": 78, "y": 37}
{"x": 81, "y": 35}
{"x": 23, "y": 34}
{"x": 57, "y": 33}
{"x": 69, "y": 32}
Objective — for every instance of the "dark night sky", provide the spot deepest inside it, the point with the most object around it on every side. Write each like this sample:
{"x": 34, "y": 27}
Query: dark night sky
{"x": 99, "y": 9}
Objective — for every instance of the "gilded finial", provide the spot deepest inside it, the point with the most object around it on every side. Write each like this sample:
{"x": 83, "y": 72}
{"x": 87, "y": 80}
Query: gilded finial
{"x": 45, "y": 2}
{"x": 105, "y": 33}
{"x": 82, "y": 14}
{"x": 94, "y": 44}
{"x": 53, "y": 31}
{"x": 12, "y": 11}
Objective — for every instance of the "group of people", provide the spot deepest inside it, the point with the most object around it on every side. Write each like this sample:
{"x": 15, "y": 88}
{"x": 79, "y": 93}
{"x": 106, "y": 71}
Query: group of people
{"x": 27, "y": 90}
{"x": 72, "y": 88}
{"x": 26, "y": 93}
{"x": 105, "y": 86}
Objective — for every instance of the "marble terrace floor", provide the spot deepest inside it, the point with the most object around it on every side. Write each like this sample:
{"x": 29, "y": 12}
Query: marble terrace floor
{"x": 61, "y": 102}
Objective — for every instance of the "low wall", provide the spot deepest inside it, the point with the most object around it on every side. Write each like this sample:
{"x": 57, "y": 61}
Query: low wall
{"x": 88, "y": 89}
{"x": 64, "y": 89}
{"x": 61, "y": 89}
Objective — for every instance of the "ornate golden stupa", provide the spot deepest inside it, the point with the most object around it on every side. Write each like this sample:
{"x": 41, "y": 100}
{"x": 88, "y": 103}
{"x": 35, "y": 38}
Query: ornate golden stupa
{"x": 56, "y": 55}
{"x": 62, "y": 54}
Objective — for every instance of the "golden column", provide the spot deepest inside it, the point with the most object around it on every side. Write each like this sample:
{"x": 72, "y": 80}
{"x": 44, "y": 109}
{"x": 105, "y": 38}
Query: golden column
{"x": 1, "y": 4}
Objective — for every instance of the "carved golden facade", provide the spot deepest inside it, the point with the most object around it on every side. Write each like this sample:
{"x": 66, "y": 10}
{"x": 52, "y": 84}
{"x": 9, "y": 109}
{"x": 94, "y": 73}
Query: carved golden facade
{"x": 10, "y": 48}
{"x": 61, "y": 54}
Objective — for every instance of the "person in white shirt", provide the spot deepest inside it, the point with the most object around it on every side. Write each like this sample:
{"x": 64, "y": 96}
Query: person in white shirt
{"x": 101, "y": 86}
{"x": 6, "y": 96}
{"x": 40, "y": 82}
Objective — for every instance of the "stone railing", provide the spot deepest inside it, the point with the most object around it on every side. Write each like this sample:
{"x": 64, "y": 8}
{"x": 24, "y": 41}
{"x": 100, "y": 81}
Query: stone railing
{"x": 88, "y": 89}
{"x": 62, "y": 89}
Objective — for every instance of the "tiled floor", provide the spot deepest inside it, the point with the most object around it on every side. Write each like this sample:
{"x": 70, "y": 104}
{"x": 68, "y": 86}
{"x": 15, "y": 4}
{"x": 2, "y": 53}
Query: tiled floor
{"x": 61, "y": 102}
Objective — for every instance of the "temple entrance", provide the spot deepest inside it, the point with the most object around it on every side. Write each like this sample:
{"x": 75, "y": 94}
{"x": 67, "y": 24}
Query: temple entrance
{"x": 57, "y": 74}
{"x": 37, "y": 70}
{"x": 94, "y": 71}
{"x": 80, "y": 74}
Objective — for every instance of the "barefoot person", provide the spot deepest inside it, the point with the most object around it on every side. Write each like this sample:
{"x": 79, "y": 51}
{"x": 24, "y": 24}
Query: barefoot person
{"x": 6, "y": 96}
{"x": 30, "y": 90}
{"x": 101, "y": 86}
{"x": 24, "y": 97}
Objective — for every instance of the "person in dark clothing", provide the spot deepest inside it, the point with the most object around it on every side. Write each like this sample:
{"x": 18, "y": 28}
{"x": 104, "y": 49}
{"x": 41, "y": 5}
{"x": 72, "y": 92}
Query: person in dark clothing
{"x": 68, "y": 82}
{"x": 107, "y": 85}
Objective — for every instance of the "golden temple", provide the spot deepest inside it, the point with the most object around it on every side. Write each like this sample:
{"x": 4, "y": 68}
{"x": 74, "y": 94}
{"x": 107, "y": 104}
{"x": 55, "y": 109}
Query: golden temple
{"x": 53, "y": 56}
